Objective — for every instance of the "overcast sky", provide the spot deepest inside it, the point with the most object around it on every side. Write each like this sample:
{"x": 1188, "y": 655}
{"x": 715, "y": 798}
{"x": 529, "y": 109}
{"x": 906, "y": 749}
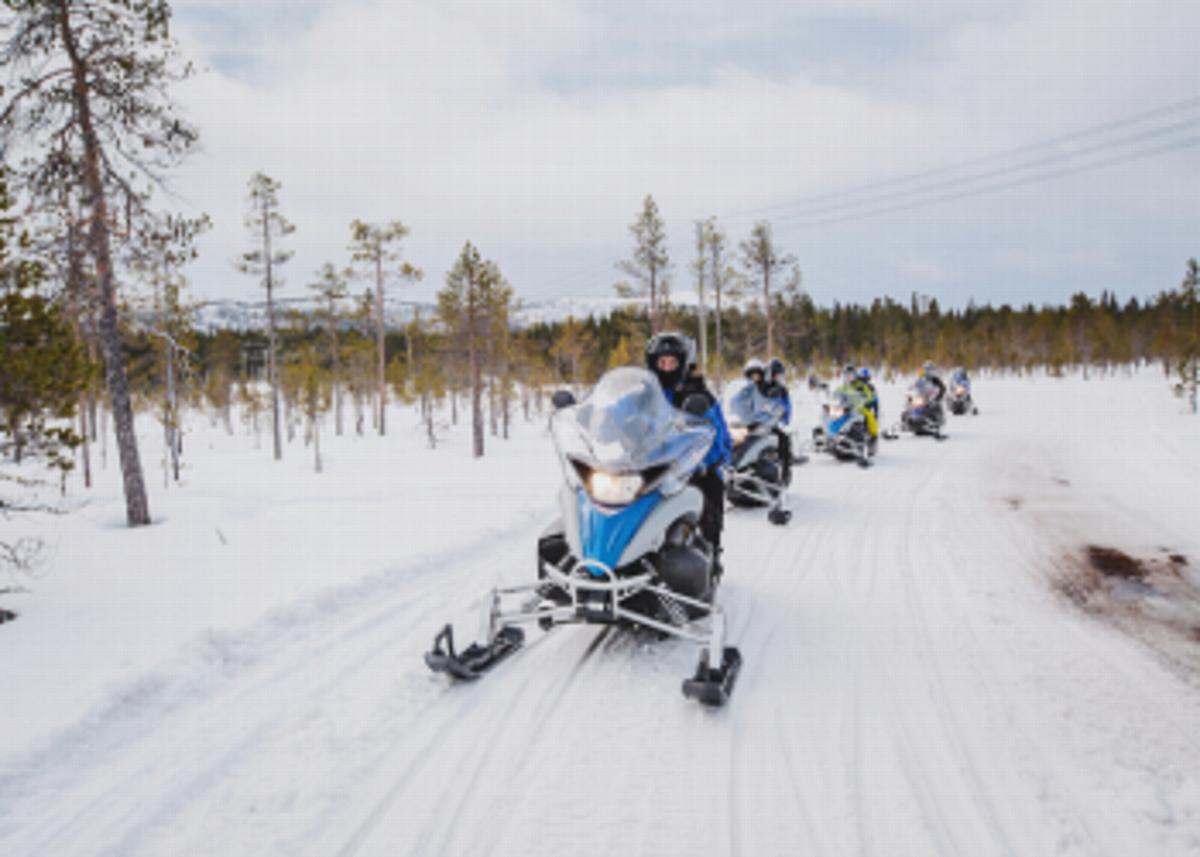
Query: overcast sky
{"x": 534, "y": 128}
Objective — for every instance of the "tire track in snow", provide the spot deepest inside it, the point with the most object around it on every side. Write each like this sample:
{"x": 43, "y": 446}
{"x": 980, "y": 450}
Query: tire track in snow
{"x": 167, "y": 793}
{"x": 479, "y": 700}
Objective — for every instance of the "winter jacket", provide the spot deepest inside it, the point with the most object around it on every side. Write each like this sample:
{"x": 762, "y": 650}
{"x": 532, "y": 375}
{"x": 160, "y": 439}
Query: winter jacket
{"x": 722, "y": 445}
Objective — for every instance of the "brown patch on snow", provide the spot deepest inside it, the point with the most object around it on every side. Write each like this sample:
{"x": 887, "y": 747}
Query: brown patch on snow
{"x": 1014, "y": 503}
{"x": 1148, "y": 597}
{"x": 1112, "y": 562}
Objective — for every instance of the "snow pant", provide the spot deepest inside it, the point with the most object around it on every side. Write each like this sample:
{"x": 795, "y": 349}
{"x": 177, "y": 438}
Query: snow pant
{"x": 712, "y": 517}
{"x": 872, "y": 422}
{"x": 785, "y": 452}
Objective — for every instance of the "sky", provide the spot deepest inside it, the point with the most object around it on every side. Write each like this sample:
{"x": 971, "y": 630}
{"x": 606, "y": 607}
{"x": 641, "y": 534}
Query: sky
{"x": 535, "y": 128}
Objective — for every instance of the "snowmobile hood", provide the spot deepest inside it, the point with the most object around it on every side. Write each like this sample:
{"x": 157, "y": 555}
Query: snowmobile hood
{"x": 625, "y": 424}
{"x": 745, "y": 405}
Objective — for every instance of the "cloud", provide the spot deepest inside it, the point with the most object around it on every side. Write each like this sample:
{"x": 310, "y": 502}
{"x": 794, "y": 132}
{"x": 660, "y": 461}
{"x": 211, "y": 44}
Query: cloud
{"x": 535, "y": 128}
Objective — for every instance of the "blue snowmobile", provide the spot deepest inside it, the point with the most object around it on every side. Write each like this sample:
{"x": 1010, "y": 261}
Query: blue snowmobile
{"x": 626, "y": 548}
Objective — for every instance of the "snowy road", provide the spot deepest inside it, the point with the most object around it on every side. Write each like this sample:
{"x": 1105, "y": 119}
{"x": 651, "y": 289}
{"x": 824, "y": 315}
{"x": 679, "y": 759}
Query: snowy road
{"x": 913, "y": 685}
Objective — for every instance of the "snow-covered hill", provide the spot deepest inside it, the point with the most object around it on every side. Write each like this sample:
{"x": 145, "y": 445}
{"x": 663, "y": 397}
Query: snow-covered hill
{"x": 932, "y": 667}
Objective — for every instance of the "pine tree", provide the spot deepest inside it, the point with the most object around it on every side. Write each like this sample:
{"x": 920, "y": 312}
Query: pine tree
{"x": 650, "y": 266}
{"x": 376, "y": 248}
{"x": 44, "y": 367}
{"x": 331, "y": 288}
{"x": 1188, "y": 315}
{"x": 763, "y": 259}
{"x": 468, "y": 307}
{"x": 267, "y": 226}
{"x": 92, "y": 112}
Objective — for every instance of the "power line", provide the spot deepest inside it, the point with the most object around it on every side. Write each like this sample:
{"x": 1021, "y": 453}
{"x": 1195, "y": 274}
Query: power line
{"x": 1185, "y": 105}
{"x": 996, "y": 172}
{"x": 1141, "y": 154}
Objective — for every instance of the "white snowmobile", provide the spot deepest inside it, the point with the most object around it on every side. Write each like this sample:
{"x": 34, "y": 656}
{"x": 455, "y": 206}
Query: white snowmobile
{"x": 923, "y": 412}
{"x": 757, "y": 475}
{"x": 627, "y": 548}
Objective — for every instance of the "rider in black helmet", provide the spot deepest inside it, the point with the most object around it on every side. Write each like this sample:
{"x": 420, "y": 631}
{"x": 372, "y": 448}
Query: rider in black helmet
{"x": 672, "y": 357}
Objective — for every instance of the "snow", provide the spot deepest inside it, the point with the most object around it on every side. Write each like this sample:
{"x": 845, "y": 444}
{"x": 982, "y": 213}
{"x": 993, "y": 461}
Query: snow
{"x": 245, "y": 676}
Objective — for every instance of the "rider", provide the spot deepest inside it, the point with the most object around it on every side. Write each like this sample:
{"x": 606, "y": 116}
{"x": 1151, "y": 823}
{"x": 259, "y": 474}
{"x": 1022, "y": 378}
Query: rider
{"x": 774, "y": 388}
{"x": 755, "y": 372}
{"x": 930, "y": 374}
{"x": 671, "y": 357}
{"x": 862, "y": 384}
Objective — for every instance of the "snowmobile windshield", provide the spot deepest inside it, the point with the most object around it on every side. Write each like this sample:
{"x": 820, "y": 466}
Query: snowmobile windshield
{"x": 745, "y": 405}
{"x": 848, "y": 398}
{"x": 925, "y": 389}
{"x": 625, "y": 424}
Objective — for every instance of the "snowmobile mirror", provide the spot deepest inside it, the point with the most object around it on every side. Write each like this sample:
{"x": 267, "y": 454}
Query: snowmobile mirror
{"x": 562, "y": 399}
{"x": 696, "y": 405}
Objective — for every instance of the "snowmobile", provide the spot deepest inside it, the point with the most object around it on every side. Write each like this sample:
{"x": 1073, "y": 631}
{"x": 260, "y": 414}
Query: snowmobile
{"x": 756, "y": 476}
{"x": 923, "y": 413}
{"x": 843, "y": 429}
{"x": 958, "y": 397}
{"x": 627, "y": 548}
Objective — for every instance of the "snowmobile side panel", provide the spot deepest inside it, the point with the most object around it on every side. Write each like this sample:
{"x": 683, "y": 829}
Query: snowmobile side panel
{"x": 653, "y": 529}
{"x": 568, "y": 503}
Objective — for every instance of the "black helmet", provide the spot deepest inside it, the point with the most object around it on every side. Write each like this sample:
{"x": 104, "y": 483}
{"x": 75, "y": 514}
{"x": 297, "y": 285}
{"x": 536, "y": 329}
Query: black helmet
{"x": 775, "y": 369}
{"x": 674, "y": 344}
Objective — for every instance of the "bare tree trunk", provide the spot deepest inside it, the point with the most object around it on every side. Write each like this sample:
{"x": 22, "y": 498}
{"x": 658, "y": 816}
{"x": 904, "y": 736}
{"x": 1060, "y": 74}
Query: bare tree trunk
{"x": 316, "y": 434}
{"x": 381, "y": 371}
{"x": 476, "y": 379}
{"x": 767, "y": 311}
{"x": 272, "y": 361}
{"x": 137, "y": 507}
{"x": 85, "y": 446}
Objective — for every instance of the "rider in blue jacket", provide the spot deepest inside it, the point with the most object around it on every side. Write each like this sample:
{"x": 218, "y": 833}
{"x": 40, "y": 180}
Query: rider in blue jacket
{"x": 671, "y": 356}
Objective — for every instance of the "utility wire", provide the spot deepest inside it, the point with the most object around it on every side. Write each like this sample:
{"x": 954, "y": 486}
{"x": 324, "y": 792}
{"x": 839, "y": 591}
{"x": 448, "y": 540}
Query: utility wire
{"x": 996, "y": 172}
{"x": 1185, "y": 105}
{"x": 1187, "y": 143}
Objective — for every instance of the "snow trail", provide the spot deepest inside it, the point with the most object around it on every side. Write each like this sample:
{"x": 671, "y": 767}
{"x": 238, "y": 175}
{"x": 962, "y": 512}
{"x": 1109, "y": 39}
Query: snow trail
{"x": 913, "y": 685}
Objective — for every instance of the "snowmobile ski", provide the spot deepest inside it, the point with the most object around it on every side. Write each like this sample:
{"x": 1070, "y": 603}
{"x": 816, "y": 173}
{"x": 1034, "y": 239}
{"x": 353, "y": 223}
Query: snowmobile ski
{"x": 476, "y": 659}
{"x": 710, "y": 686}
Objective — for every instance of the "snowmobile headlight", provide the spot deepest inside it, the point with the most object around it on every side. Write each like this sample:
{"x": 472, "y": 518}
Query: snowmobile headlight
{"x": 739, "y": 434}
{"x": 960, "y": 391}
{"x": 836, "y": 411}
{"x": 918, "y": 401}
{"x": 614, "y": 489}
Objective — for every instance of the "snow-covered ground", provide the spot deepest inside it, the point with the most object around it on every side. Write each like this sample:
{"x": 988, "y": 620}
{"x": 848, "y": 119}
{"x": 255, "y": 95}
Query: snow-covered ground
{"x": 245, "y": 677}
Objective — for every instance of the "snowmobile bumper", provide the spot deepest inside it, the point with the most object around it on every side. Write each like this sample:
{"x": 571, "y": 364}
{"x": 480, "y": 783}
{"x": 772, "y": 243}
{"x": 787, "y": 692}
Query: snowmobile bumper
{"x": 600, "y": 598}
